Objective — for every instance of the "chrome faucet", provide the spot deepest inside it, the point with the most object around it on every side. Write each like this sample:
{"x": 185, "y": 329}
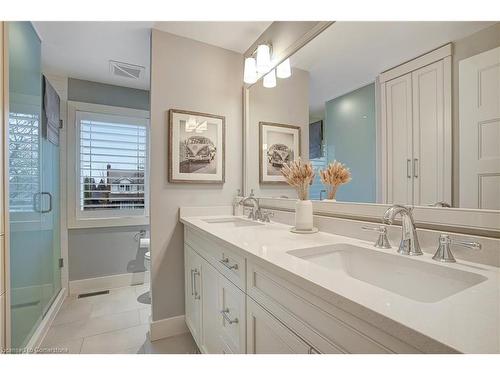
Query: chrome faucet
{"x": 257, "y": 213}
{"x": 409, "y": 241}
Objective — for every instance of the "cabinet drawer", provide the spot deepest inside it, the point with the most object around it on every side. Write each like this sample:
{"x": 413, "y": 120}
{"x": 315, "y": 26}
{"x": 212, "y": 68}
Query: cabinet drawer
{"x": 327, "y": 328}
{"x": 226, "y": 261}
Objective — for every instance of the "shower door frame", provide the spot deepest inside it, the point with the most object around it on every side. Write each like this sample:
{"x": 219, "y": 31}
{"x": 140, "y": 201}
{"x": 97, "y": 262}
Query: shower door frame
{"x": 57, "y": 300}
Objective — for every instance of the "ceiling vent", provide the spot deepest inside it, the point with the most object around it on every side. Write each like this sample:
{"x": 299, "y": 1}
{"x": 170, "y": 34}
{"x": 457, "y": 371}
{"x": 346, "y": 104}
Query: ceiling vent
{"x": 124, "y": 70}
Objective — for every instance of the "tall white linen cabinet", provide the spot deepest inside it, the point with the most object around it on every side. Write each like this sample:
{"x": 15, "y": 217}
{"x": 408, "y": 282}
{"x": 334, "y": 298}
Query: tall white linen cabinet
{"x": 415, "y": 130}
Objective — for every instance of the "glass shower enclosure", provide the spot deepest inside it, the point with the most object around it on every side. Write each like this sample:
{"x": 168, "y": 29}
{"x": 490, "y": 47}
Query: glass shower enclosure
{"x": 35, "y": 278}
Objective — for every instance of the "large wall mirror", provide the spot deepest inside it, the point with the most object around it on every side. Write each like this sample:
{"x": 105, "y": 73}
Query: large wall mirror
{"x": 411, "y": 108}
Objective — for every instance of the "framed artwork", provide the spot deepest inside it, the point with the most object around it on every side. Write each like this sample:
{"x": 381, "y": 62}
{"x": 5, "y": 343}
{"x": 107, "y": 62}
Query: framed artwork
{"x": 196, "y": 147}
{"x": 279, "y": 144}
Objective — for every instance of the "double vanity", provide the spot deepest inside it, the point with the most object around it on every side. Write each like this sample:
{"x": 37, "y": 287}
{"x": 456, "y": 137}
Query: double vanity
{"x": 254, "y": 287}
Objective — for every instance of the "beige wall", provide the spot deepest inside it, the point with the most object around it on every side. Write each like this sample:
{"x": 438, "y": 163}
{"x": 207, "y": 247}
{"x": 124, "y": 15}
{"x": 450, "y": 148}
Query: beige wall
{"x": 481, "y": 41}
{"x": 287, "y": 103}
{"x": 189, "y": 75}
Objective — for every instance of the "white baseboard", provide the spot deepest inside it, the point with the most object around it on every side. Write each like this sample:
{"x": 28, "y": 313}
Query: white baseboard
{"x": 161, "y": 329}
{"x": 108, "y": 282}
{"x": 42, "y": 329}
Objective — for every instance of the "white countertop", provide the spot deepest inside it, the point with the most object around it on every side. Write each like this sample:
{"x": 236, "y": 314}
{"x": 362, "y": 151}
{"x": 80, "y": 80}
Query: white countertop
{"x": 468, "y": 321}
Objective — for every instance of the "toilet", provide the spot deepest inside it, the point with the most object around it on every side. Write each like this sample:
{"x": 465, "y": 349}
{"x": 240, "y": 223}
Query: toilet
{"x": 144, "y": 244}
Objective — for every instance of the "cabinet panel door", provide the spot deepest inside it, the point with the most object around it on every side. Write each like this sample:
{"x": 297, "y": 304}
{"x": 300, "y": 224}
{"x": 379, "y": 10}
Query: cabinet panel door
{"x": 399, "y": 140}
{"x": 232, "y": 315}
{"x": 193, "y": 294}
{"x": 267, "y": 335}
{"x": 431, "y": 164}
{"x": 211, "y": 341}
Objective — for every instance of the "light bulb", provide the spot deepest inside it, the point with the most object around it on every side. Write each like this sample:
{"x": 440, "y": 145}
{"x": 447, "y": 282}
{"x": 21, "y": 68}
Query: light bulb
{"x": 250, "y": 72}
{"x": 270, "y": 79}
{"x": 284, "y": 70}
{"x": 263, "y": 58}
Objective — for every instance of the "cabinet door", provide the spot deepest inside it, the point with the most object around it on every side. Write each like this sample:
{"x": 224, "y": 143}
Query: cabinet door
{"x": 398, "y": 120}
{"x": 232, "y": 316}
{"x": 267, "y": 335}
{"x": 431, "y": 163}
{"x": 211, "y": 337}
{"x": 193, "y": 294}
{"x": 223, "y": 320}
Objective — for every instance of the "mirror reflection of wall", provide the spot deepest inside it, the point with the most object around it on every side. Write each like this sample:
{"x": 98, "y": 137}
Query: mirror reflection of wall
{"x": 411, "y": 108}
{"x": 285, "y": 104}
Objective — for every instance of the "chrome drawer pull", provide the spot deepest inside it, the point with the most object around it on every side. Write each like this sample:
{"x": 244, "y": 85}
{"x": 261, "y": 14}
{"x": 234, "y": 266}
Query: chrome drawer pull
{"x": 225, "y": 262}
{"x": 192, "y": 282}
{"x": 227, "y": 318}
{"x": 196, "y": 294}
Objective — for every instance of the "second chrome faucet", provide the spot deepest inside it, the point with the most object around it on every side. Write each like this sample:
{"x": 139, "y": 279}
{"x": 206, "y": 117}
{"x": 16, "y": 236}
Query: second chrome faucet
{"x": 409, "y": 241}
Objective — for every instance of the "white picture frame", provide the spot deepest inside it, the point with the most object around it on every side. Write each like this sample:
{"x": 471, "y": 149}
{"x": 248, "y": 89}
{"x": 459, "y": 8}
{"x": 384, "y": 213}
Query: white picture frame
{"x": 279, "y": 144}
{"x": 196, "y": 147}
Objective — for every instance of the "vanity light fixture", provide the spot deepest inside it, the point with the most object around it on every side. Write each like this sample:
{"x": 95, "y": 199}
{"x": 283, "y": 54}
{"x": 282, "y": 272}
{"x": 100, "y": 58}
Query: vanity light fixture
{"x": 270, "y": 79}
{"x": 283, "y": 70}
{"x": 250, "y": 72}
{"x": 263, "y": 58}
{"x": 259, "y": 63}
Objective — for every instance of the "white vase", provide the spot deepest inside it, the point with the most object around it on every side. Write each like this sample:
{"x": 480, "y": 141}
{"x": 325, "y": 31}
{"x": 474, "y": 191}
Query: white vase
{"x": 303, "y": 215}
{"x": 328, "y": 200}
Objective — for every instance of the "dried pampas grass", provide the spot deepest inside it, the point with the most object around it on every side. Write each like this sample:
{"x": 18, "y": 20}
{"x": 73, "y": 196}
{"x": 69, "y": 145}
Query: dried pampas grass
{"x": 334, "y": 175}
{"x": 300, "y": 175}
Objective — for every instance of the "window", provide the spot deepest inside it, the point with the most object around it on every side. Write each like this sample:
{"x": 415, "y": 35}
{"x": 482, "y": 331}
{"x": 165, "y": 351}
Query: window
{"x": 112, "y": 166}
{"x": 24, "y": 175}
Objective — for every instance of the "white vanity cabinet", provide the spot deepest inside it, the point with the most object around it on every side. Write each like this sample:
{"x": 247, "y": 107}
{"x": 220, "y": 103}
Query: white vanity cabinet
{"x": 255, "y": 308}
{"x": 215, "y": 306}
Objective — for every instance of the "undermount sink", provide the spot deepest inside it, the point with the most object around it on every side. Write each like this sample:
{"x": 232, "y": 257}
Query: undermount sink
{"x": 408, "y": 277}
{"x": 232, "y": 221}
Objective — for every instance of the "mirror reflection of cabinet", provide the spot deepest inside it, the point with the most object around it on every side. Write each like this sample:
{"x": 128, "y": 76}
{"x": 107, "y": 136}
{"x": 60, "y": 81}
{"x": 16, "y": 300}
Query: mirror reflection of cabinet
{"x": 416, "y": 130}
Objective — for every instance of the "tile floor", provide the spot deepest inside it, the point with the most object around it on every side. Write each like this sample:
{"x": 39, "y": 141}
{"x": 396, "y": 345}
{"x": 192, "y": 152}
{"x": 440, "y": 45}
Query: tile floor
{"x": 117, "y": 322}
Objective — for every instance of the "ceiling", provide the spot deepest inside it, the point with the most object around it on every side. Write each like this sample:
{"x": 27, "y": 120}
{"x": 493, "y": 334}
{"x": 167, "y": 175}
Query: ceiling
{"x": 83, "y": 49}
{"x": 235, "y": 36}
{"x": 349, "y": 55}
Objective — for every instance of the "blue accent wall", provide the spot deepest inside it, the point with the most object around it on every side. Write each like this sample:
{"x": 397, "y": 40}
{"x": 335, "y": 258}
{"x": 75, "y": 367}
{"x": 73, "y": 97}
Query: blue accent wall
{"x": 351, "y": 139}
{"x": 102, "y": 93}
